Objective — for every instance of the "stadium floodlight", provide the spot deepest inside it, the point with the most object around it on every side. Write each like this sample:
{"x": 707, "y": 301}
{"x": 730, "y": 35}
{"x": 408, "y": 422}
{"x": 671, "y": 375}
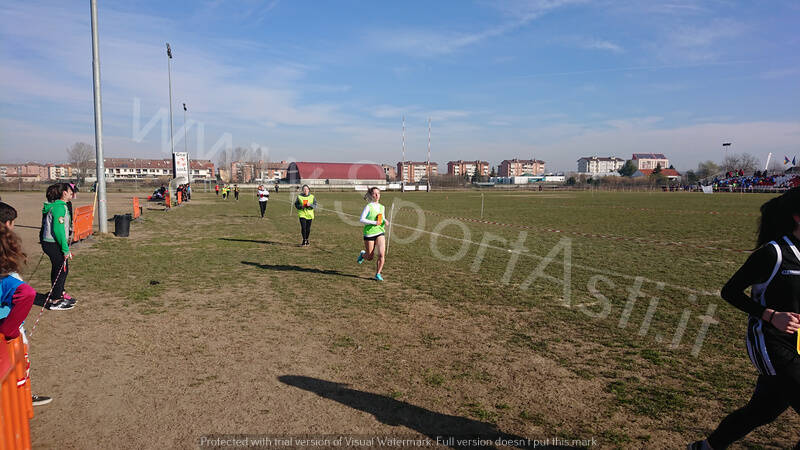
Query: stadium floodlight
{"x": 98, "y": 124}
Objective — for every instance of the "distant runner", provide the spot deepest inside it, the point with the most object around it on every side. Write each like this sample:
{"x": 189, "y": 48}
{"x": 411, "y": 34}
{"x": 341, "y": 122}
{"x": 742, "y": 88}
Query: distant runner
{"x": 263, "y": 196}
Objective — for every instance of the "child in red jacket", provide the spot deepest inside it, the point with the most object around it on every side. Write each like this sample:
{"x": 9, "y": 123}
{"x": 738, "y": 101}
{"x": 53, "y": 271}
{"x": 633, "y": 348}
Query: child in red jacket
{"x": 16, "y": 297}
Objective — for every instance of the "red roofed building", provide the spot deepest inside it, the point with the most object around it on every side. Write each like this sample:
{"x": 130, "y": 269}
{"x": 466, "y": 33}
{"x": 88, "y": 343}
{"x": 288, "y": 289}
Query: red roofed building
{"x": 671, "y": 174}
{"x": 650, "y": 160}
{"x": 335, "y": 173}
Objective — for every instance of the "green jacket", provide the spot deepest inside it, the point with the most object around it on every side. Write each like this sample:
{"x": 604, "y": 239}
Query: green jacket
{"x": 56, "y": 224}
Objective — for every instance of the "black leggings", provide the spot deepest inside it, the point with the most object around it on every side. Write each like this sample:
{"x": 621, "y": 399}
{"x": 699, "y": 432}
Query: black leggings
{"x": 305, "y": 228}
{"x": 263, "y": 206}
{"x": 773, "y": 395}
{"x": 57, "y": 260}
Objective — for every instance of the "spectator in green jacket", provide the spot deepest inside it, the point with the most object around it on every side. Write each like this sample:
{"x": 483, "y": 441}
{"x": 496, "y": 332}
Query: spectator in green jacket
{"x": 54, "y": 238}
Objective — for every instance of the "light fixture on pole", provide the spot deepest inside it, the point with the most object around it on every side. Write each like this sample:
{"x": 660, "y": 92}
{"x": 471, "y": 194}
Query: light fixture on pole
{"x": 725, "y": 146}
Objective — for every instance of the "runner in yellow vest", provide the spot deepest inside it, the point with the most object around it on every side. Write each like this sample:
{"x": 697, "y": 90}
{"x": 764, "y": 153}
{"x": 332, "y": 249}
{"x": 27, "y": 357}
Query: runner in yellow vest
{"x": 305, "y": 205}
{"x": 374, "y": 221}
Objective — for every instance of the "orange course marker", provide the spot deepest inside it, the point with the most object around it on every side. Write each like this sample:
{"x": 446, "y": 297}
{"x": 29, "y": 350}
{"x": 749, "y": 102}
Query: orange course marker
{"x": 305, "y": 203}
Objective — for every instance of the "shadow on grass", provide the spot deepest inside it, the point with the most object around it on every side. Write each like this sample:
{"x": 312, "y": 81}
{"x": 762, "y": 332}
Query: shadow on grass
{"x": 258, "y": 242}
{"x": 288, "y": 268}
{"x": 394, "y": 412}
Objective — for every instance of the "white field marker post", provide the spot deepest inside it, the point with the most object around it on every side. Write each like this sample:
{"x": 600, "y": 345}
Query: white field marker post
{"x": 291, "y": 203}
{"x": 389, "y": 230}
{"x": 481, "y": 205}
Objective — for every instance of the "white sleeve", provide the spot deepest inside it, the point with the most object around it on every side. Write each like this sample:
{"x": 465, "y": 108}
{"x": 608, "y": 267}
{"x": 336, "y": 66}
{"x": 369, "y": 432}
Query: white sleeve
{"x": 364, "y": 217}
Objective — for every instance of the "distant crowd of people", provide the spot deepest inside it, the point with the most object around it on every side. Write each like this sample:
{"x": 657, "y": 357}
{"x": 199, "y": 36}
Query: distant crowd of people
{"x": 735, "y": 180}
{"x": 185, "y": 190}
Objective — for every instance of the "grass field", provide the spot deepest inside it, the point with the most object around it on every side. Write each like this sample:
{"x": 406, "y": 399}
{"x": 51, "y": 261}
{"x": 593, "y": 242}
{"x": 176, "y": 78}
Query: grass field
{"x": 208, "y": 320}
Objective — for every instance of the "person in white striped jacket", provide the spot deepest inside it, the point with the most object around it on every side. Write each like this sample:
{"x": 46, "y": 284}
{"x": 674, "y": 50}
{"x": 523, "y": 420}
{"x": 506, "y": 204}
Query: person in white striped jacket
{"x": 773, "y": 272}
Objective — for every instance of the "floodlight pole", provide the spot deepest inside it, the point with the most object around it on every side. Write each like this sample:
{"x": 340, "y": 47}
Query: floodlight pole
{"x": 429, "y": 154}
{"x": 98, "y": 125}
{"x": 169, "y": 78}
{"x": 186, "y": 148}
{"x": 403, "y": 166}
{"x": 725, "y": 146}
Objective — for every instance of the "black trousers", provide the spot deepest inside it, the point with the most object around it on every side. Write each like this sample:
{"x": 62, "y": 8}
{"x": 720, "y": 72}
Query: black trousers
{"x": 305, "y": 228}
{"x": 57, "y": 276}
{"x": 773, "y": 395}
{"x": 263, "y": 206}
{"x": 236, "y": 194}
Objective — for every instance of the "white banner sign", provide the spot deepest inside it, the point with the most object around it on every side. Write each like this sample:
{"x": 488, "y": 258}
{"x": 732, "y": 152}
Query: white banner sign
{"x": 180, "y": 165}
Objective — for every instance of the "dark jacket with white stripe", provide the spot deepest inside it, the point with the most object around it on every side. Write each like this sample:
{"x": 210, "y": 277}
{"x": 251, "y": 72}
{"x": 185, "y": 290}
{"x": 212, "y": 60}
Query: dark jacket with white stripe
{"x": 773, "y": 271}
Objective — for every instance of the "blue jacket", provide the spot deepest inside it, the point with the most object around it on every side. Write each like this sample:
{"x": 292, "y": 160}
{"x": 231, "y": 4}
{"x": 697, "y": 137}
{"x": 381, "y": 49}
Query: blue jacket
{"x": 8, "y": 286}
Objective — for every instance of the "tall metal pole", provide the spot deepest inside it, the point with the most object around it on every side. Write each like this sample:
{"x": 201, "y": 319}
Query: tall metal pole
{"x": 403, "y": 168}
{"x": 98, "y": 125}
{"x": 186, "y": 147}
{"x": 429, "y": 154}
{"x": 169, "y": 77}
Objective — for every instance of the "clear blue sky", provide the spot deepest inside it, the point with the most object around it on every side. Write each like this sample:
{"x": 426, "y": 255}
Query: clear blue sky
{"x": 329, "y": 81}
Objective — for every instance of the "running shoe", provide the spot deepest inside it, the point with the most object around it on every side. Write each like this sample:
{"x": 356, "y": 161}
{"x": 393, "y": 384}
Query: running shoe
{"x": 60, "y": 305}
{"x": 361, "y": 256}
{"x": 378, "y": 277}
{"x": 72, "y": 300}
{"x": 39, "y": 400}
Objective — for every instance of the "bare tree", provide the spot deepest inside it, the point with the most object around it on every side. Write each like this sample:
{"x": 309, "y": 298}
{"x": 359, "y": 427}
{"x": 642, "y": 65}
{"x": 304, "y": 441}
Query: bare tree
{"x": 744, "y": 161}
{"x": 707, "y": 169}
{"x": 80, "y": 154}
